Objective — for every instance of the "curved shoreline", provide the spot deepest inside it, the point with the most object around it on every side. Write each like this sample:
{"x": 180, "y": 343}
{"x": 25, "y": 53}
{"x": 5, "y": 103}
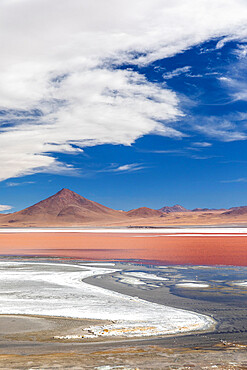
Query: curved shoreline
{"x": 24, "y": 327}
{"x": 137, "y": 318}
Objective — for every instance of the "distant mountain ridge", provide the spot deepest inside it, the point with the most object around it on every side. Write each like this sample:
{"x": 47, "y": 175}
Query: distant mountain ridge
{"x": 68, "y": 209}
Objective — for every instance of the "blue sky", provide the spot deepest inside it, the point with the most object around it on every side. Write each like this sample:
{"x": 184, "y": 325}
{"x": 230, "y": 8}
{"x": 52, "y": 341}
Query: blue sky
{"x": 146, "y": 111}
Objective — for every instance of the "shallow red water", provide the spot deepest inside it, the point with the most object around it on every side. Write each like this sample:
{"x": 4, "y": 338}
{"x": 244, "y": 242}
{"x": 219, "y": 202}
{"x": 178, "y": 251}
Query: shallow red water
{"x": 198, "y": 250}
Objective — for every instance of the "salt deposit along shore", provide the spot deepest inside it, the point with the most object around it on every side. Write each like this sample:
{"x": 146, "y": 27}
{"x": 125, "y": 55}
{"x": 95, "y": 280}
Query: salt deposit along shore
{"x": 57, "y": 289}
{"x": 183, "y": 231}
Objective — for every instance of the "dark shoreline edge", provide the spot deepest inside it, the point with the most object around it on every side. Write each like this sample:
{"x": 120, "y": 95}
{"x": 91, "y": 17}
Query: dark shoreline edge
{"x": 231, "y": 322}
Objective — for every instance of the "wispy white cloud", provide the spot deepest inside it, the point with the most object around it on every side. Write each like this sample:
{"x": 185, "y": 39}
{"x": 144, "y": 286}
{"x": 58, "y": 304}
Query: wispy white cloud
{"x": 132, "y": 167}
{"x": 114, "y": 168}
{"x": 4, "y": 208}
{"x": 234, "y": 80}
{"x": 61, "y": 86}
{"x": 202, "y": 157}
{"x": 222, "y": 128}
{"x": 201, "y": 144}
{"x": 241, "y": 51}
{"x": 183, "y": 152}
{"x": 236, "y": 86}
{"x": 176, "y": 72}
{"x": 13, "y": 184}
{"x": 241, "y": 179}
{"x": 168, "y": 151}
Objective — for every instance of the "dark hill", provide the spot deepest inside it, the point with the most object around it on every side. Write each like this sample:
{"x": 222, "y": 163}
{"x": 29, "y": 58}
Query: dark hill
{"x": 144, "y": 212}
{"x": 176, "y": 208}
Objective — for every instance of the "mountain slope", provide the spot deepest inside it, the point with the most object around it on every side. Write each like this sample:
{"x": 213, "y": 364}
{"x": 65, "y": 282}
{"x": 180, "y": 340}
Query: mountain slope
{"x": 176, "y": 208}
{"x": 144, "y": 212}
{"x": 64, "y": 206}
{"x": 236, "y": 211}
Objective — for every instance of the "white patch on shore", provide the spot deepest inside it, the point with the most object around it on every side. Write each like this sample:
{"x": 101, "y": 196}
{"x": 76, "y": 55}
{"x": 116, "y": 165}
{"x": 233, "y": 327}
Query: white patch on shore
{"x": 182, "y": 231}
{"x": 103, "y": 264}
{"x": 131, "y": 281}
{"x": 145, "y": 275}
{"x": 139, "y": 278}
{"x": 58, "y": 290}
{"x": 243, "y": 283}
{"x": 192, "y": 285}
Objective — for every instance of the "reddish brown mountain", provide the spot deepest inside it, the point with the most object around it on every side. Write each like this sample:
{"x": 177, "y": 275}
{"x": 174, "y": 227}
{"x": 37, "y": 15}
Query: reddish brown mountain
{"x": 176, "y": 208}
{"x": 144, "y": 212}
{"x": 200, "y": 209}
{"x": 64, "y": 206}
{"x": 207, "y": 209}
{"x": 236, "y": 211}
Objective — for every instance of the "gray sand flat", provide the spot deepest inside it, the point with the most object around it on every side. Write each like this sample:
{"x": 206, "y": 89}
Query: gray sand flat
{"x": 11, "y": 324}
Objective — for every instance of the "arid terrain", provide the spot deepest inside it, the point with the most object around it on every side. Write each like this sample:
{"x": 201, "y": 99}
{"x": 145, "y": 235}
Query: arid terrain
{"x": 68, "y": 209}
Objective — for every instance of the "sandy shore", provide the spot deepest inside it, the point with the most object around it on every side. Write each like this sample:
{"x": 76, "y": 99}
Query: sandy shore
{"x": 27, "y": 342}
{"x": 29, "y": 328}
{"x": 222, "y": 357}
{"x": 16, "y": 329}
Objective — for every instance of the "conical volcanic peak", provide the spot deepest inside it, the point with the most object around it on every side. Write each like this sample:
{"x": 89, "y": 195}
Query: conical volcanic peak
{"x": 64, "y": 206}
{"x": 57, "y": 202}
{"x": 65, "y": 192}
